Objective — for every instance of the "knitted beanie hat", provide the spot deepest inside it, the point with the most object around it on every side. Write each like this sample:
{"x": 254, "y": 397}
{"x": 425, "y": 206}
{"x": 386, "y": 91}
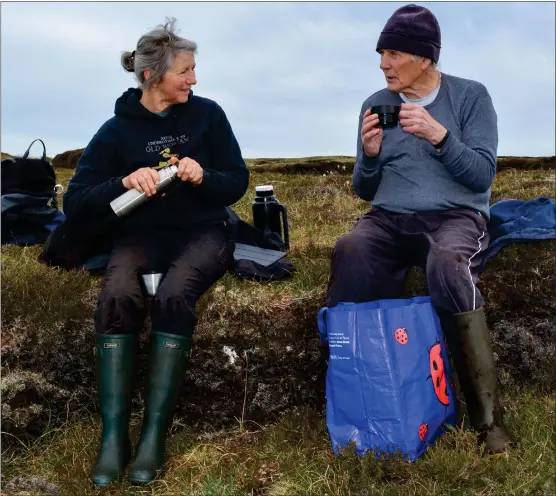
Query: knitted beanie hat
{"x": 412, "y": 29}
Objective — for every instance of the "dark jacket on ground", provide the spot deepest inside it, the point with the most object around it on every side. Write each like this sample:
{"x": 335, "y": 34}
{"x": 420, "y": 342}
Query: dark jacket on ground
{"x": 135, "y": 138}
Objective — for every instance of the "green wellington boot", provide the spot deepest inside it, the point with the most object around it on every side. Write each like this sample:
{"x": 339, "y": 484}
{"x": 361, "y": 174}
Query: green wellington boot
{"x": 468, "y": 340}
{"x": 116, "y": 358}
{"x": 169, "y": 357}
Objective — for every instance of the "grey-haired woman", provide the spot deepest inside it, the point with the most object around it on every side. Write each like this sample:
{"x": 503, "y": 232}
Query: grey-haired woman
{"x": 181, "y": 232}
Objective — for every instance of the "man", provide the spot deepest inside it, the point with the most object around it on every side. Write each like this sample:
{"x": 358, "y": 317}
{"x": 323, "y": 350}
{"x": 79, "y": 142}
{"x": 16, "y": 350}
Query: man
{"x": 429, "y": 181}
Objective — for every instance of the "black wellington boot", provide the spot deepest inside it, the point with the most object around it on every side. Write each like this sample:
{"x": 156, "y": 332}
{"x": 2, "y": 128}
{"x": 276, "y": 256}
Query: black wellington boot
{"x": 468, "y": 340}
{"x": 116, "y": 358}
{"x": 169, "y": 358}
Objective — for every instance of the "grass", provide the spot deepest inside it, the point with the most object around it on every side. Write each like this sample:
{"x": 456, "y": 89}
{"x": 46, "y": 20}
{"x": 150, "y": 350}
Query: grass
{"x": 322, "y": 208}
{"x": 291, "y": 456}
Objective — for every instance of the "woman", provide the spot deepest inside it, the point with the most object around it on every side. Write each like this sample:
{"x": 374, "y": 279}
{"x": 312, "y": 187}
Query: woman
{"x": 181, "y": 232}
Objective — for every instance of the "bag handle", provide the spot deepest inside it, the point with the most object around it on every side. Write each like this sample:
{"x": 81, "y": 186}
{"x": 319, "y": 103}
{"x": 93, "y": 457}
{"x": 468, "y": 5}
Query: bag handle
{"x": 26, "y": 154}
{"x": 322, "y": 325}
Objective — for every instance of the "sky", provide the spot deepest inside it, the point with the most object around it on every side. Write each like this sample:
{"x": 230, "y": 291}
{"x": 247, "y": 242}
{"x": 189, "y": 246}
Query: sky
{"x": 291, "y": 76}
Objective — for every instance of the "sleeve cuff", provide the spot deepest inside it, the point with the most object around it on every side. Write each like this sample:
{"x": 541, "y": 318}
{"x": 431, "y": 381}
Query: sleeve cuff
{"x": 208, "y": 179}
{"x": 117, "y": 188}
{"x": 111, "y": 193}
{"x": 451, "y": 150}
{"x": 368, "y": 162}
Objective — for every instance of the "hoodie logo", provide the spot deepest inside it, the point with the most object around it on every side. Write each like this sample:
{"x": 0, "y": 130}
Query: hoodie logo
{"x": 111, "y": 345}
{"x": 166, "y": 153}
{"x": 170, "y": 345}
{"x": 164, "y": 144}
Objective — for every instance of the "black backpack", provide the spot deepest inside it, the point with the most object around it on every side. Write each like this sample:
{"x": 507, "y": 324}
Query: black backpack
{"x": 243, "y": 232}
{"x": 72, "y": 246}
{"x": 29, "y": 199}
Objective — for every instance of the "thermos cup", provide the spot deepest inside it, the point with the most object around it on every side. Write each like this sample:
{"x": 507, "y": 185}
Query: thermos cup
{"x": 387, "y": 114}
{"x": 151, "y": 280}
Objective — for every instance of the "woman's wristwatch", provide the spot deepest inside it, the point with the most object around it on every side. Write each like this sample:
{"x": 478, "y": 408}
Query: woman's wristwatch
{"x": 441, "y": 143}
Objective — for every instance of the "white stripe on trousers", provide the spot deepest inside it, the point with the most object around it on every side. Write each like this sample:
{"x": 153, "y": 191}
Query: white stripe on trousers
{"x": 469, "y": 270}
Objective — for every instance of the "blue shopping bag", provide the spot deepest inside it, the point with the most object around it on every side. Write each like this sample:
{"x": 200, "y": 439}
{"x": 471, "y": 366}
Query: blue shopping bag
{"x": 388, "y": 383}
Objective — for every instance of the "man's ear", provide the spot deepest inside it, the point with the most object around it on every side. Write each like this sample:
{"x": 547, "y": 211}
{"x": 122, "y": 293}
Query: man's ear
{"x": 426, "y": 63}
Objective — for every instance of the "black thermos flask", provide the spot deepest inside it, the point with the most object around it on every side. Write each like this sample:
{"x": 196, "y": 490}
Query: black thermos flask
{"x": 266, "y": 213}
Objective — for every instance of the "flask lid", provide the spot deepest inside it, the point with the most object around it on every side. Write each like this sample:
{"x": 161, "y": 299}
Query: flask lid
{"x": 266, "y": 190}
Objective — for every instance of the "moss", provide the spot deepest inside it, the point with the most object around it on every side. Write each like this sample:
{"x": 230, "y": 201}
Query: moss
{"x": 20, "y": 486}
{"x": 29, "y": 400}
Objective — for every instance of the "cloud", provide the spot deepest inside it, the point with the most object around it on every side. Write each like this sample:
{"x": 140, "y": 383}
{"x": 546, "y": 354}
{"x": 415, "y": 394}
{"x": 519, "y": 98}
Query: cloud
{"x": 521, "y": 80}
{"x": 291, "y": 76}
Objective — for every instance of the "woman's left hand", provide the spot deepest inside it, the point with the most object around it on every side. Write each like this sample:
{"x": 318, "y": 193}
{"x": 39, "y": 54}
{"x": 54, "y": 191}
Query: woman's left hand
{"x": 416, "y": 120}
{"x": 189, "y": 170}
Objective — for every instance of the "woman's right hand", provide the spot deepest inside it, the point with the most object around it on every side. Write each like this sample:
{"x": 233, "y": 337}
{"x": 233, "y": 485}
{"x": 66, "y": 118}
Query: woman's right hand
{"x": 144, "y": 180}
{"x": 371, "y": 134}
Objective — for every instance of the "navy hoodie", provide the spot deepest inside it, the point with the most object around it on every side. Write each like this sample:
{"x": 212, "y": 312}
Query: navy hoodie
{"x": 135, "y": 138}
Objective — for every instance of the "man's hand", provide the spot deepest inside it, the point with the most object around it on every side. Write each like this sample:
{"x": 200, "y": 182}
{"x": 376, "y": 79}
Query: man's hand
{"x": 416, "y": 120}
{"x": 189, "y": 170}
{"x": 371, "y": 134}
{"x": 144, "y": 180}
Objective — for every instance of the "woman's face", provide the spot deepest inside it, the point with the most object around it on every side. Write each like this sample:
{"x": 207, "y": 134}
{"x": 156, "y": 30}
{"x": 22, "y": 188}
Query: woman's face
{"x": 177, "y": 82}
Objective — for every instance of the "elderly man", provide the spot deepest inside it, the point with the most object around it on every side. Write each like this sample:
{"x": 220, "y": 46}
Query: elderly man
{"x": 429, "y": 181}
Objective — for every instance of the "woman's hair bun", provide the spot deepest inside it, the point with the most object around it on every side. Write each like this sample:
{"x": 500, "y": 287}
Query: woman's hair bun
{"x": 128, "y": 62}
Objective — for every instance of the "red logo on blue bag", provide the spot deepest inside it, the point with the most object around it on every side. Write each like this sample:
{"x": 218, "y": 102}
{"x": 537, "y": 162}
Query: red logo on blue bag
{"x": 437, "y": 374}
{"x": 423, "y": 429}
{"x": 401, "y": 335}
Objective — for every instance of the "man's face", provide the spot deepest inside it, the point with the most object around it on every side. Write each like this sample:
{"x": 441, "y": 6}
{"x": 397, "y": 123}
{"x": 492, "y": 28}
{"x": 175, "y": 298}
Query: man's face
{"x": 400, "y": 70}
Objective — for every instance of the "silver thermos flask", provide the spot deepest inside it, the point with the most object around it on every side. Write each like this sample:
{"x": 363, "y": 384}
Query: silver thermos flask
{"x": 131, "y": 199}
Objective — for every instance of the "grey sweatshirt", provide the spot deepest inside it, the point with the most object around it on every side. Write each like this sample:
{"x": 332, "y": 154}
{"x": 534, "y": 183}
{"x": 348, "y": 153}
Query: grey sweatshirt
{"x": 410, "y": 176}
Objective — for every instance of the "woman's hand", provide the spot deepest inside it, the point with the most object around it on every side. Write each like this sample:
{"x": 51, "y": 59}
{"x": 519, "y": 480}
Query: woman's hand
{"x": 145, "y": 180}
{"x": 416, "y": 120}
{"x": 189, "y": 170}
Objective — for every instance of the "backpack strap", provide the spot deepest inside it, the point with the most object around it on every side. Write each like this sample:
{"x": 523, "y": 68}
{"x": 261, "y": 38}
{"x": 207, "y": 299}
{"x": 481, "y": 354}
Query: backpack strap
{"x": 26, "y": 154}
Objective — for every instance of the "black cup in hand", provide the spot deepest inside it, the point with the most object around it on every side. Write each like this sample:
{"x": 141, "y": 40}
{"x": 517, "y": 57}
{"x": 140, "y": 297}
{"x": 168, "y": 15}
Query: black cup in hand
{"x": 387, "y": 114}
